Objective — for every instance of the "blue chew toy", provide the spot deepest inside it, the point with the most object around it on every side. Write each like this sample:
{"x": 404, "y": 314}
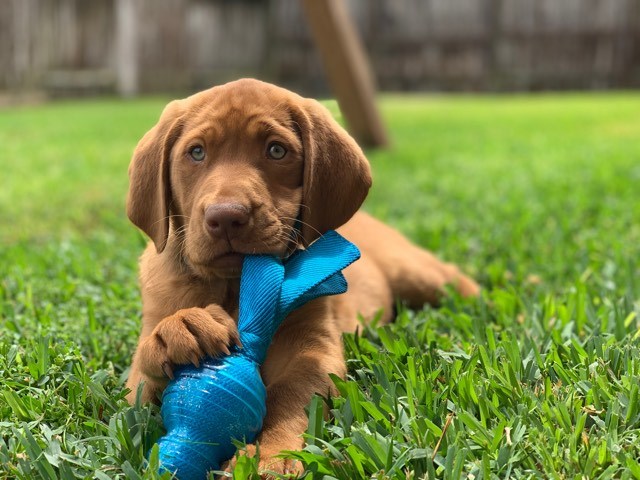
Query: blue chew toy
{"x": 204, "y": 409}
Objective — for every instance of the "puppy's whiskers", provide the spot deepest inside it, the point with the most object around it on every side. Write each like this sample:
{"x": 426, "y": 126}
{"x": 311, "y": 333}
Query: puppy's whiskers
{"x": 168, "y": 217}
{"x": 297, "y": 220}
{"x": 181, "y": 235}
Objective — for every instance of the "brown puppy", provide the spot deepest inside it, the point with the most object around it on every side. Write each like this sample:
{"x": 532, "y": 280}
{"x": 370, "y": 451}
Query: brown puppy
{"x": 236, "y": 170}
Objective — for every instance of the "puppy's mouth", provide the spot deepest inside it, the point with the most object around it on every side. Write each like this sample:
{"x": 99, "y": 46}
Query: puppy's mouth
{"x": 223, "y": 257}
{"x": 227, "y": 264}
{"x": 228, "y": 261}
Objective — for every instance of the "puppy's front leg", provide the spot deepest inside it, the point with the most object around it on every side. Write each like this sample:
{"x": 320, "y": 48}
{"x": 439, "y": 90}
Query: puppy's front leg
{"x": 184, "y": 337}
{"x": 306, "y": 349}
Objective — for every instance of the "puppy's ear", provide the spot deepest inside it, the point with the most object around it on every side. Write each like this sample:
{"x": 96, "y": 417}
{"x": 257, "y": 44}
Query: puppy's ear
{"x": 149, "y": 184}
{"x": 337, "y": 176}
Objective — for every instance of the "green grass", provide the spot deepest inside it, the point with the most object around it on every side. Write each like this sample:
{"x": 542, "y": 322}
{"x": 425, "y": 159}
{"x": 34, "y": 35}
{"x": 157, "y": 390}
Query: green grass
{"x": 536, "y": 196}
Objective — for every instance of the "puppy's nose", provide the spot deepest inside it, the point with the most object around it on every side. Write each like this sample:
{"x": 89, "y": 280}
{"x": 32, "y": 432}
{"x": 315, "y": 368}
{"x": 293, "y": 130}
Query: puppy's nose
{"x": 224, "y": 219}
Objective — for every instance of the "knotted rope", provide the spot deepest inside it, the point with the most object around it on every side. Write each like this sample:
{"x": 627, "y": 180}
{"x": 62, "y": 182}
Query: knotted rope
{"x": 204, "y": 409}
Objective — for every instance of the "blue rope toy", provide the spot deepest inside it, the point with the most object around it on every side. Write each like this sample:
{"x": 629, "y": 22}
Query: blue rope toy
{"x": 204, "y": 409}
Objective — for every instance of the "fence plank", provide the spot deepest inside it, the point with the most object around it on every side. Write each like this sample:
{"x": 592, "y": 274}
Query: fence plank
{"x": 127, "y": 18}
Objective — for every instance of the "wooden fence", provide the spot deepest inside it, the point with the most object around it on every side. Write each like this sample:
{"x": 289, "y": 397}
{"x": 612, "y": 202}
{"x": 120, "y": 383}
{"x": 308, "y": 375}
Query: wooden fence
{"x": 85, "y": 46}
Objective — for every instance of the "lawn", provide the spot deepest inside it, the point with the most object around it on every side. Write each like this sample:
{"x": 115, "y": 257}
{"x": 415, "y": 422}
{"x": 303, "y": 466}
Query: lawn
{"x": 536, "y": 196}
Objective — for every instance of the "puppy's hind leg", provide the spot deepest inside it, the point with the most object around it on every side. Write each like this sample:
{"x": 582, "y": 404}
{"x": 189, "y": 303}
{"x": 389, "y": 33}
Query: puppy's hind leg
{"x": 419, "y": 277}
{"x": 413, "y": 274}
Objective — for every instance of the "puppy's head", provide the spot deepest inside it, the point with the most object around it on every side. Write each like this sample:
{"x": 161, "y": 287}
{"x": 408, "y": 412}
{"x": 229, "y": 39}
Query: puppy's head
{"x": 243, "y": 168}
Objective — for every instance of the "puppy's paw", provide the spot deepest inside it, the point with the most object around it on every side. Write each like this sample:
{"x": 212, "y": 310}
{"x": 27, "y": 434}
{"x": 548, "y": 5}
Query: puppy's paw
{"x": 187, "y": 337}
{"x": 467, "y": 286}
{"x": 270, "y": 465}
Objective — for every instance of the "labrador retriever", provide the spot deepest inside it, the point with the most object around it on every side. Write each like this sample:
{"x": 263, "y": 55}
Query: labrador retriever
{"x": 245, "y": 168}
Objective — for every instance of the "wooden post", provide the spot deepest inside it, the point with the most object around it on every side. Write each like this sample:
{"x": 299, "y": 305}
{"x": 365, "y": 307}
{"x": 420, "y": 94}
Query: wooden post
{"x": 126, "y": 47}
{"x": 346, "y": 65}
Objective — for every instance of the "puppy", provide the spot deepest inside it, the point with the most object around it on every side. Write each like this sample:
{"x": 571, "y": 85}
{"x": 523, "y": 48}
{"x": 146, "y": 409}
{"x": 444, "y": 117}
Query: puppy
{"x": 247, "y": 168}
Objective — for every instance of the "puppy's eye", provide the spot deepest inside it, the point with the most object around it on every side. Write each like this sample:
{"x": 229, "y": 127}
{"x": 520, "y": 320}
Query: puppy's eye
{"x": 276, "y": 151}
{"x": 197, "y": 153}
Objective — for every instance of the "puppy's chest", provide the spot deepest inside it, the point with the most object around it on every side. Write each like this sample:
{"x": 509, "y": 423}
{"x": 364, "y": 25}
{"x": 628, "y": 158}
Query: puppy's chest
{"x": 201, "y": 294}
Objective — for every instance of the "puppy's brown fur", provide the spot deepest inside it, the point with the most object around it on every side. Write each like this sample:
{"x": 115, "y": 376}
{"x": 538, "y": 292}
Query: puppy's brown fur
{"x": 207, "y": 190}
